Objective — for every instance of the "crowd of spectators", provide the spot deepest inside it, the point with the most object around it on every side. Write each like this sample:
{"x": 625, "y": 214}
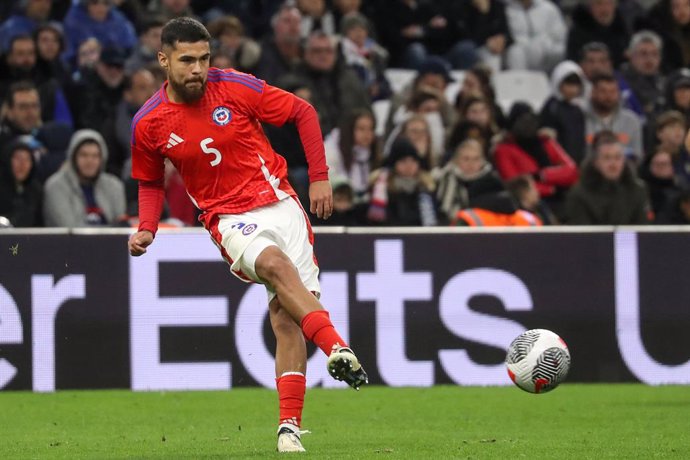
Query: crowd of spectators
{"x": 607, "y": 146}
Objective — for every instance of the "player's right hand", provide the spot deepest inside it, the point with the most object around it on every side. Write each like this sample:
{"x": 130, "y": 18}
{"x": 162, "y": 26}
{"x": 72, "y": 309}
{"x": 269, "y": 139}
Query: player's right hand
{"x": 139, "y": 242}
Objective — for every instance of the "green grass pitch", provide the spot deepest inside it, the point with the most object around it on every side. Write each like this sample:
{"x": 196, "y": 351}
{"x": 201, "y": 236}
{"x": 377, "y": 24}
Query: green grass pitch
{"x": 574, "y": 421}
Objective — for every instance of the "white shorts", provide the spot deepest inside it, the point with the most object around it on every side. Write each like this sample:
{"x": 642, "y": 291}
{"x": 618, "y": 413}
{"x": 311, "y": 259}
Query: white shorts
{"x": 242, "y": 237}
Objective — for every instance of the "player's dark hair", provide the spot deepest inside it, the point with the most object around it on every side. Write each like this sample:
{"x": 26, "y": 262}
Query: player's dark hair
{"x": 185, "y": 30}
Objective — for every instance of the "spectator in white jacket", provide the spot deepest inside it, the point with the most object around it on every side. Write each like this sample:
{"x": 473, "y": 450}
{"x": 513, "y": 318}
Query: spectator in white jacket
{"x": 539, "y": 35}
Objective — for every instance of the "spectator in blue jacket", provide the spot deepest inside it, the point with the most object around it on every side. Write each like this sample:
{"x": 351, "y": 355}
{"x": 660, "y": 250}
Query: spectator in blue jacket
{"x": 99, "y": 19}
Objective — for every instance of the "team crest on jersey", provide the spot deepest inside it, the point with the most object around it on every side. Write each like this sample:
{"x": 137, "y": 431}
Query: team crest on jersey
{"x": 221, "y": 116}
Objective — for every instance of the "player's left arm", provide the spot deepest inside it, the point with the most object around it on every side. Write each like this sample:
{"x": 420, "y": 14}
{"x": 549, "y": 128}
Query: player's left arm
{"x": 278, "y": 107}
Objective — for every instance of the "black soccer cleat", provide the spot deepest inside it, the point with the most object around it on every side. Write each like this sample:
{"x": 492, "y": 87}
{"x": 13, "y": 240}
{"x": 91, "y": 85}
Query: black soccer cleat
{"x": 343, "y": 365}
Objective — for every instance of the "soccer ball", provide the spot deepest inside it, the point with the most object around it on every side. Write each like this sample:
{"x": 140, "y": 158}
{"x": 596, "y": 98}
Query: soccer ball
{"x": 538, "y": 360}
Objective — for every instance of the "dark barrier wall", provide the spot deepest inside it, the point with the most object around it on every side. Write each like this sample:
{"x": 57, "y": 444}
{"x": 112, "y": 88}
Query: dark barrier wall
{"x": 77, "y": 312}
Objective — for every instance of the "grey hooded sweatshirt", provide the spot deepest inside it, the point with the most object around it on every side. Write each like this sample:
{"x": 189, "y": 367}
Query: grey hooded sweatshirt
{"x": 64, "y": 204}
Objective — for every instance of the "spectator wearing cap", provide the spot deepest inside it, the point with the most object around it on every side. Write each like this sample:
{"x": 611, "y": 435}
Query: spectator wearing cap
{"x": 402, "y": 194}
{"x": 336, "y": 90}
{"x": 32, "y": 13}
{"x": 525, "y": 150}
{"x": 539, "y": 34}
{"x": 598, "y": 21}
{"x": 605, "y": 112}
{"x": 99, "y": 19}
{"x": 364, "y": 55}
{"x": 21, "y": 194}
{"x": 563, "y": 112}
{"x": 97, "y": 95}
{"x": 146, "y": 50}
{"x": 281, "y": 50}
{"x": 641, "y": 78}
{"x": 483, "y": 28}
{"x": 677, "y": 94}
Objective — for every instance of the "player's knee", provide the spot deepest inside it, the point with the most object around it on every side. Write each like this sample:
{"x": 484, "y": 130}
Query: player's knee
{"x": 274, "y": 266}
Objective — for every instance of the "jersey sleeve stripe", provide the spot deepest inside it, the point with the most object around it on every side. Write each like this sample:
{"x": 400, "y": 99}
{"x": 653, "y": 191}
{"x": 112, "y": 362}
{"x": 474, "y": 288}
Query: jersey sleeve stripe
{"x": 256, "y": 84}
{"x": 146, "y": 108}
{"x": 141, "y": 115}
{"x": 251, "y": 86}
{"x": 248, "y": 77}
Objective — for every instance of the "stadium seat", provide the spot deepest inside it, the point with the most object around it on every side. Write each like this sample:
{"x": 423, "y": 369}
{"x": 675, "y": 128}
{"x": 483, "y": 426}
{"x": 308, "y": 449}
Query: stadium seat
{"x": 381, "y": 109}
{"x": 521, "y": 85}
{"x": 399, "y": 78}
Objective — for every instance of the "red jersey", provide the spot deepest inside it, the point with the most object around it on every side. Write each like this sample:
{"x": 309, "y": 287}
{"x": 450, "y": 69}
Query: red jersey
{"x": 217, "y": 143}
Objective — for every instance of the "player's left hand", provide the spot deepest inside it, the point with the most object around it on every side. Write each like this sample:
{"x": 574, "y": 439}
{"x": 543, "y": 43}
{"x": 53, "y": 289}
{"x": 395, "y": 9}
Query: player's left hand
{"x": 321, "y": 199}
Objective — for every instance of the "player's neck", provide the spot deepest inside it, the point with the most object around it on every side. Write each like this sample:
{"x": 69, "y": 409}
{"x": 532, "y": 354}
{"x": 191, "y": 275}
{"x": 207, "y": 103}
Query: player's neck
{"x": 172, "y": 95}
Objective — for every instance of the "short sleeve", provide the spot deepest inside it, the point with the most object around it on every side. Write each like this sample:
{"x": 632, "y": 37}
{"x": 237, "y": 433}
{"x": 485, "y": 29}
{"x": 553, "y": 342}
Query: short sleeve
{"x": 147, "y": 163}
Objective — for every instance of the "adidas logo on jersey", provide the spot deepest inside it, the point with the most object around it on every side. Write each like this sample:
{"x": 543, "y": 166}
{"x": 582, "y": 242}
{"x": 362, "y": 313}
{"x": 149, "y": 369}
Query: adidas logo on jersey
{"x": 173, "y": 140}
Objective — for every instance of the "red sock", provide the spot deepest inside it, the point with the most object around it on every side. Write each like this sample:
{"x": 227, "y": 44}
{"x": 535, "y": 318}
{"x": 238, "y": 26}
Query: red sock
{"x": 291, "y": 388}
{"x": 317, "y": 328}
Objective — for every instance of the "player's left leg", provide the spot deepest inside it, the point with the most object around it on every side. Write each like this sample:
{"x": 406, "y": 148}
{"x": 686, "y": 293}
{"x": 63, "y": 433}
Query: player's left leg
{"x": 291, "y": 363}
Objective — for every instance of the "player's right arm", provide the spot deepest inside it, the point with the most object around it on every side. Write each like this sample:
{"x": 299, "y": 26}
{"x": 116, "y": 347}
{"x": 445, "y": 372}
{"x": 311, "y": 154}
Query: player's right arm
{"x": 148, "y": 167}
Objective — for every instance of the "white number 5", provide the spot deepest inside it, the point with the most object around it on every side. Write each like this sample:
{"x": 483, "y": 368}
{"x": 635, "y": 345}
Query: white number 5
{"x": 206, "y": 149}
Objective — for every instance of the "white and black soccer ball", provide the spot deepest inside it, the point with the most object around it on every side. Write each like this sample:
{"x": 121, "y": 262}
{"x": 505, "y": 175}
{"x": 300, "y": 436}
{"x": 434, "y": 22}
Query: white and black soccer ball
{"x": 538, "y": 360}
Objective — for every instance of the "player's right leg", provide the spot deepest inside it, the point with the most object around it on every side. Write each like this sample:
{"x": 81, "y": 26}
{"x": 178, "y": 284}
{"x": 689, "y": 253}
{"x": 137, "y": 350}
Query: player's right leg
{"x": 291, "y": 363}
{"x": 272, "y": 245}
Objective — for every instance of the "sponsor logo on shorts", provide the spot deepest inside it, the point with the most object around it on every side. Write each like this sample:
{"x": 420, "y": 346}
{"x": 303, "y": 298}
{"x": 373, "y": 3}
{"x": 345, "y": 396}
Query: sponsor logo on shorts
{"x": 249, "y": 229}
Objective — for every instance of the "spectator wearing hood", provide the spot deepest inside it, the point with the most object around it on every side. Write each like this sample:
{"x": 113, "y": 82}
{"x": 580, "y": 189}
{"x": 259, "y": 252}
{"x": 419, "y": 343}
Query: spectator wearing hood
{"x": 598, "y": 21}
{"x": 30, "y": 15}
{"x": 81, "y": 193}
{"x": 99, "y": 19}
{"x": 50, "y": 44}
{"x": 402, "y": 193}
{"x": 21, "y": 194}
{"x": 467, "y": 181}
{"x": 563, "y": 113}
{"x": 525, "y": 151}
{"x": 608, "y": 192}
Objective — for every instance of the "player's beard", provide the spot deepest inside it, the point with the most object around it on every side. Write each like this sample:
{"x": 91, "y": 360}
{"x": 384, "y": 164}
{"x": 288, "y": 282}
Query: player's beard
{"x": 186, "y": 93}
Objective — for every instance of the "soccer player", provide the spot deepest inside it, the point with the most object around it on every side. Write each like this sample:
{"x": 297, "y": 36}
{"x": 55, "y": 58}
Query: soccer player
{"x": 207, "y": 123}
